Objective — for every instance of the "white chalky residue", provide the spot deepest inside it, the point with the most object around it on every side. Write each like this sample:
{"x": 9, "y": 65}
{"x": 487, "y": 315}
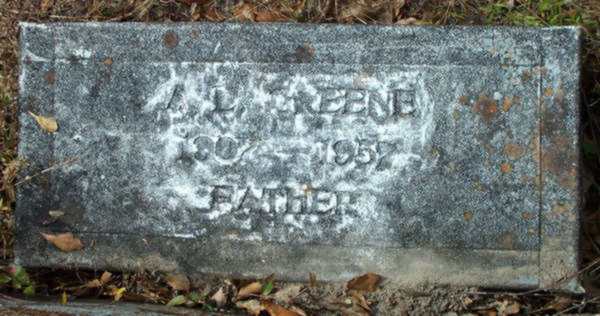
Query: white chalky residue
{"x": 184, "y": 236}
{"x": 82, "y": 53}
{"x": 190, "y": 87}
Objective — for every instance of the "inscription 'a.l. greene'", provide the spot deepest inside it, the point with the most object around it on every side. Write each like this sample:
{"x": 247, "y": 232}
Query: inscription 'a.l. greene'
{"x": 279, "y": 200}
{"x": 378, "y": 105}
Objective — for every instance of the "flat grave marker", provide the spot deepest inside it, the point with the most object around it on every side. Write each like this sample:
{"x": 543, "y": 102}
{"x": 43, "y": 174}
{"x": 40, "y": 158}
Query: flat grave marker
{"x": 427, "y": 155}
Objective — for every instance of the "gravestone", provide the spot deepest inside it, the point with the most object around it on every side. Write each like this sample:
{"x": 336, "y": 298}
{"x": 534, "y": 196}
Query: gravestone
{"x": 424, "y": 154}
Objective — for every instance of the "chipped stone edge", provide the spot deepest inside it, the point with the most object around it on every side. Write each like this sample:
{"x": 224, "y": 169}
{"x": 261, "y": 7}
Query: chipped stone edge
{"x": 560, "y": 159}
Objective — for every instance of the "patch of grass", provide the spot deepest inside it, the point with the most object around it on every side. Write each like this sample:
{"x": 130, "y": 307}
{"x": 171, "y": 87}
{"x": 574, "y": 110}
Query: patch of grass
{"x": 538, "y": 13}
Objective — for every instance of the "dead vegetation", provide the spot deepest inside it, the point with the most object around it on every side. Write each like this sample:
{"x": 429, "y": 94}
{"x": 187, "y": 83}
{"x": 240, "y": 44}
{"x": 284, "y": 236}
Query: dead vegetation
{"x": 363, "y": 295}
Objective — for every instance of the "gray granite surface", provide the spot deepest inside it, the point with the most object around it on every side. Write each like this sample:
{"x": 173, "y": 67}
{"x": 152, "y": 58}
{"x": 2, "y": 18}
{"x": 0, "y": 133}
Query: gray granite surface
{"x": 425, "y": 154}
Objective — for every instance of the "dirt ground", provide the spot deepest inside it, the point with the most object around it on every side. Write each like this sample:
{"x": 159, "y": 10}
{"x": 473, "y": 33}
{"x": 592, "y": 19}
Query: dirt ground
{"x": 362, "y": 296}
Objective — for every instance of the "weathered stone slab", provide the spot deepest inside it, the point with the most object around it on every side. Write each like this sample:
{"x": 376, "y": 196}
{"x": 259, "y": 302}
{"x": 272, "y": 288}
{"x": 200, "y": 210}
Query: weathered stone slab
{"x": 428, "y": 155}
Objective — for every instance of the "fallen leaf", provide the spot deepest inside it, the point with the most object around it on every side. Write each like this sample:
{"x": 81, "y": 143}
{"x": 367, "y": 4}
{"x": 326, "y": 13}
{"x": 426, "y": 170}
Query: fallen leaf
{"x": 249, "y": 290}
{"x": 178, "y": 282}
{"x": 270, "y": 16}
{"x": 277, "y": 310}
{"x": 46, "y": 4}
{"x": 298, "y": 310}
{"x": 253, "y": 307}
{"x": 360, "y": 300}
{"x": 508, "y": 308}
{"x": 63, "y": 298}
{"x": 106, "y": 277}
{"x": 366, "y": 282}
{"x": 177, "y": 300}
{"x": 46, "y": 123}
{"x": 117, "y": 293}
{"x": 93, "y": 284}
{"x": 559, "y": 303}
{"x": 65, "y": 241}
{"x": 512, "y": 309}
{"x": 408, "y": 21}
{"x": 288, "y": 294}
{"x": 219, "y": 298}
{"x": 243, "y": 11}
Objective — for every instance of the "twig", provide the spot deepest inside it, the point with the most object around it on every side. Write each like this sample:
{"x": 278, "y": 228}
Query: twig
{"x": 53, "y": 167}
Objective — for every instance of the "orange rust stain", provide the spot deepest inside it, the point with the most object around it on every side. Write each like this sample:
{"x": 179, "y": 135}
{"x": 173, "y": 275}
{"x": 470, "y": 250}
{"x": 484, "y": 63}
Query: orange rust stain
{"x": 486, "y": 108}
{"x": 507, "y": 240}
{"x": 555, "y": 158}
{"x": 505, "y": 167}
{"x": 50, "y": 77}
{"x": 507, "y": 104}
{"x": 468, "y": 215}
{"x": 108, "y": 61}
{"x": 514, "y": 151}
{"x": 464, "y": 100}
{"x": 548, "y": 92}
{"x": 170, "y": 39}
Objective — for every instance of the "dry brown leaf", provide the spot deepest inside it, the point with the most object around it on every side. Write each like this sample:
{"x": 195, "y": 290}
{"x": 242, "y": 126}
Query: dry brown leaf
{"x": 105, "y": 277}
{"x": 95, "y": 283}
{"x": 214, "y": 15}
{"x": 46, "y": 4}
{"x": 249, "y": 290}
{"x": 298, "y": 310}
{"x": 178, "y": 282}
{"x": 277, "y": 310}
{"x": 46, "y": 123}
{"x": 408, "y": 21}
{"x": 65, "y": 241}
{"x": 219, "y": 298}
{"x": 360, "y": 300}
{"x": 253, "y": 307}
{"x": 508, "y": 308}
{"x": 270, "y": 16}
{"x": 366, "y": 282}
{"x": 288, "y": 294}
{"x": 559, "y": 303}
{"x": 243, "y": 11}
